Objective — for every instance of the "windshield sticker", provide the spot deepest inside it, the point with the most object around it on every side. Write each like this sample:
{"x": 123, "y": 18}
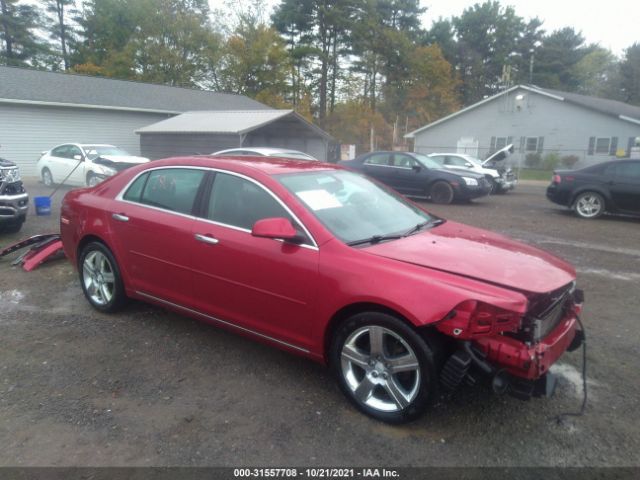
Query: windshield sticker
{"x": 319, "y": 199}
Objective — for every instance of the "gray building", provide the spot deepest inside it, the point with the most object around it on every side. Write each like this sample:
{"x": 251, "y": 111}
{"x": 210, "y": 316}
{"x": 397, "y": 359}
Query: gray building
{"x": 535, "y": 120}
{"x": 204, "y": 132}
{"x": 39, "y": 110}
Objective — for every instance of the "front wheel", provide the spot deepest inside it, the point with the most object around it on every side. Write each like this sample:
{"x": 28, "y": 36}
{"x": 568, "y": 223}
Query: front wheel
{"x": 47, "y": 178}
{"x": 589, "y": 205}
{"x": 100, "y": 278}
{"x": 93, "y": 180}
{"x": 383, "y": 366}
{"x": 441, "y": 192}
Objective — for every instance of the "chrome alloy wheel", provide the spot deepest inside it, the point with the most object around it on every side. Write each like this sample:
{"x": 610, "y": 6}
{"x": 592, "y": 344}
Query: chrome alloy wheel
{"x": 589, "y": 205}
{"x": 380, "y": 368}
{"x": 98, "y": 278}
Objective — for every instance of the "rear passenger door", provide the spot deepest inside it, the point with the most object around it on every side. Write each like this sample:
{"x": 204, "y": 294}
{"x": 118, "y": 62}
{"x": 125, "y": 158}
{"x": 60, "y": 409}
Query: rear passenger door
{"x": 152, "y": 222}
{"x": 380, "y": 167}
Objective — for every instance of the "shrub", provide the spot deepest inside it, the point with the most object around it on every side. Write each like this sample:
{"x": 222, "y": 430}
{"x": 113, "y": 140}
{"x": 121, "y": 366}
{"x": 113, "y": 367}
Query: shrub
{"x": 551, "y": 161}
{"x": 533, "y": 160}
{"x": 569, "y": 160}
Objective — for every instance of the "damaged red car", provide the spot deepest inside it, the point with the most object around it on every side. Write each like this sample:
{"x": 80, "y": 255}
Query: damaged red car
{"x": 325, "y": 263}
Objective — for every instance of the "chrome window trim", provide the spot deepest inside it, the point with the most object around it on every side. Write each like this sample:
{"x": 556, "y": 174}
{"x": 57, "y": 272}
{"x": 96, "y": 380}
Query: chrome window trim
{"x": 224, "y": 322}
{"x": 120, "y": 198}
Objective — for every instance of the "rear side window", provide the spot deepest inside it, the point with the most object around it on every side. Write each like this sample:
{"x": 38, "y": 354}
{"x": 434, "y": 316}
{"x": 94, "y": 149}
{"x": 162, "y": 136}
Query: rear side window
{"x": 378, "y": 159}
{"x": 135, "y": 189}
{"x": 241, "y": 203}
{"x": 173, "y": 189}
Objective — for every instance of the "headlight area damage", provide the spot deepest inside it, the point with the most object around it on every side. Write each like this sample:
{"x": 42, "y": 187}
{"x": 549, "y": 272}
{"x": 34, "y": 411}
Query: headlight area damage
{"x": 513, "y": 350}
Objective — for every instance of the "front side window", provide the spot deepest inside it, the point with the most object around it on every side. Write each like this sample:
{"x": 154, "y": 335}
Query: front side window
{"x": 352, "y": 207}
{"x": 172, "y": 189}
{"x": 240, "y": 203}
{"x": 455, "y": 161}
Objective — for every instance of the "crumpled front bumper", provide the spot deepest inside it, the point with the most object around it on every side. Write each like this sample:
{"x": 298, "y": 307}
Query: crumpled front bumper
{"x": 530, "y": 362}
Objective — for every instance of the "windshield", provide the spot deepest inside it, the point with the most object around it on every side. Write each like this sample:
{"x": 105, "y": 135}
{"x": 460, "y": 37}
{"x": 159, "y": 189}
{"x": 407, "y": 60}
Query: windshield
{"x": 352, "y": 207}
{"x": 426, "y": 161}
{"x": 94, "y": 151}
{"x": 294, "y": 155}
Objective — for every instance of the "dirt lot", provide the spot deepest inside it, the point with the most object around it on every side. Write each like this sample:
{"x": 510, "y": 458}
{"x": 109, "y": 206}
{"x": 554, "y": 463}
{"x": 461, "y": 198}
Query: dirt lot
{"x": 148, "y": 387}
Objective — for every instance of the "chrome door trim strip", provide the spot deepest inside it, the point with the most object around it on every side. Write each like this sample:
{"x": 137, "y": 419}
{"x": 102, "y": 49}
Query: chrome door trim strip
{"x": 224, "y": 322}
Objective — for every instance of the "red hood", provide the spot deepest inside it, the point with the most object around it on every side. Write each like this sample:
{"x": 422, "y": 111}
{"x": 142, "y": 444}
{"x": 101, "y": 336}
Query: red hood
{"x": 472, "y": 252}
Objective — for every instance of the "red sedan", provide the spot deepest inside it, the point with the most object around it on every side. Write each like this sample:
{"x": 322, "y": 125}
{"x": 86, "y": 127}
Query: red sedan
{"x": 328, "y": 264}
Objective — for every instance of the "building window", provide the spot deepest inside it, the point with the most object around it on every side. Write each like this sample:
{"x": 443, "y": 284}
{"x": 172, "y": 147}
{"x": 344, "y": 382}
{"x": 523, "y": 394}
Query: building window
{"x": 531, "y": 144}
{"x": 501, "y": 142}
{"x": 603, "y": 146}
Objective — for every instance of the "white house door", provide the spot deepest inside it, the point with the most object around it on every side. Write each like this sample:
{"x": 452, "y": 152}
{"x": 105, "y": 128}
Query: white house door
{"x": 468, "y": 145}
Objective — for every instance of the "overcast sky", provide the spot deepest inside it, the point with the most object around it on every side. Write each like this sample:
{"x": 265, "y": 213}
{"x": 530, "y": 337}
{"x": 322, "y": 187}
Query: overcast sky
{"x": 614, "y": 24}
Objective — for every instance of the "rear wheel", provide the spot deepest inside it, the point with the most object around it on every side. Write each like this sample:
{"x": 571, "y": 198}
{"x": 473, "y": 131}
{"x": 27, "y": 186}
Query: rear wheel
{"x": 589, "y": 205}
{"x": 441, "y": 192}
{"x": 47, "y": 178}
{"x": 383, "y": 366}
{"x": 100, "y": 278}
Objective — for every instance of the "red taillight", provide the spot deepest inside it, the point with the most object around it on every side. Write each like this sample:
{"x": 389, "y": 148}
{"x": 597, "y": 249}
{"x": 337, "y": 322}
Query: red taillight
{"x": 472, "y": 318}
{"x": 556, "y": 178}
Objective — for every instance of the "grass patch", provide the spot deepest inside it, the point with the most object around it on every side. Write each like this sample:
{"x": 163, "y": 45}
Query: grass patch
{"x": 535, "y": 174}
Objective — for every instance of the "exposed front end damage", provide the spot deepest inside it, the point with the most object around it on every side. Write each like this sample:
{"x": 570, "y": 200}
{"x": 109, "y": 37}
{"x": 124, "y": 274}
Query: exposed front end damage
{"x": 513, "y": 351}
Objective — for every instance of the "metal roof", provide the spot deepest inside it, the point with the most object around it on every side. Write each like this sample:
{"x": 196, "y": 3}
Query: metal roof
{"x": 620, "y": 110}
{"x": 22, "y": 85}
{"x": 235, "y": 122}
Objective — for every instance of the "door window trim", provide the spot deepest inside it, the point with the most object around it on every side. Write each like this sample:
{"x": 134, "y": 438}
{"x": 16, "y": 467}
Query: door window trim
{"x": 120, "y": 198}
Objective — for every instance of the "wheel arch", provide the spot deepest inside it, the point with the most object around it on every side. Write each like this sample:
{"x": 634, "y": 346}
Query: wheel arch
{"x": 608, "y": 201}
{"x": 427, "y": 332}
{"x": 90, "y": 237}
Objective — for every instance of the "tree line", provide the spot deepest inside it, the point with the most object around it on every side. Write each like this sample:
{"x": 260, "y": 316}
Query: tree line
{"x": 367, "y": 71}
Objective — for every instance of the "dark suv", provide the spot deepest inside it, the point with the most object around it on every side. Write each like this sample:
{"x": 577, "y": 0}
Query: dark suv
{"x": 612, "y": 187}
{"x": 14, "y": 200}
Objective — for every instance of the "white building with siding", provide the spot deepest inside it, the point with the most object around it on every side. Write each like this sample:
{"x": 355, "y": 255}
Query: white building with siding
{"x": 535, "y": 120}
{"x": 39, "y": 110}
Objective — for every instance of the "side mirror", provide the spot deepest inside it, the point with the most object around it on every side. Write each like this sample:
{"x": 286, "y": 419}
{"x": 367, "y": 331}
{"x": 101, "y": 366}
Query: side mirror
{"x": 274, "y": 228}
{"x": 416, "y": 168}
{"x": 77, "y": 157}
{"x": 468, "y": 165}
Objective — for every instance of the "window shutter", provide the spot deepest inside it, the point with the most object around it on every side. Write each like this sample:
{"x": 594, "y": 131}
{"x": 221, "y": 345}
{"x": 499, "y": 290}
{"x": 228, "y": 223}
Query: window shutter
{"x": 632, "y": 141}
{"x": 540, "y": 144}
{"x": 522, "y": 140}
{"x": 509, "y": 141}
{"x": 592, "y": 145}
{"x": 614, "y": 146}
{"x": 492, "y": 148}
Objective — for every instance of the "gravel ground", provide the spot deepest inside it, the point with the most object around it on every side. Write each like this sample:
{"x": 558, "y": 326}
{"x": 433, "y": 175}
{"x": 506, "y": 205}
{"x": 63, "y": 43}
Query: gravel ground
{"x": 149, "y": 387}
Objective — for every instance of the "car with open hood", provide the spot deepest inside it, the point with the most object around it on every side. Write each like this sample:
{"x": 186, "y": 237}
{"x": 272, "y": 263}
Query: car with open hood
{"x": 419, "y": 176}
{"x": 83, "y": 164}
{"x": 501, "y": 177}
{"x": 325, "y": 263}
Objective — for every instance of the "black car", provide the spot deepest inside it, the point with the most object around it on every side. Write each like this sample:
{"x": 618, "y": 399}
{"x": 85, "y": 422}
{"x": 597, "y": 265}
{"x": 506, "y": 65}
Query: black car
{"x": 612, "y": 187}
{"x": 417, "y": 175}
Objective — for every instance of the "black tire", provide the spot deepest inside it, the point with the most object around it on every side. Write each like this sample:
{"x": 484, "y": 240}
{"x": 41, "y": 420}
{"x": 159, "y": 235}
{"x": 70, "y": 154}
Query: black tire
{"x": 12, "y": 226}
{"x": 441, "y": 192}
{"x": 589, "y": 205}
{"x": 47, "y": 178}
{"x": 100, "y": 278}
{"x": 363, "y": 371}
{"x": 495, "y": 188}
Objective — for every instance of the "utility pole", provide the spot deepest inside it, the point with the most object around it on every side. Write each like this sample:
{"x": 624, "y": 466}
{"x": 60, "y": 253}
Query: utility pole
{"x": 531, "y": 67}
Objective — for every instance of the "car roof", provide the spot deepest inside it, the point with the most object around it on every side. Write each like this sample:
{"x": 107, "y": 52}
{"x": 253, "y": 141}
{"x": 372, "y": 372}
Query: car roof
{"x": 246, "y": 164}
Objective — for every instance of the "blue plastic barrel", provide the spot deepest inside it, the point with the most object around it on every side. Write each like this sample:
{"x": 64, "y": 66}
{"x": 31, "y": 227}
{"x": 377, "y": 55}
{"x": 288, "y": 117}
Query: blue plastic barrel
{"x": 43, "y": 205}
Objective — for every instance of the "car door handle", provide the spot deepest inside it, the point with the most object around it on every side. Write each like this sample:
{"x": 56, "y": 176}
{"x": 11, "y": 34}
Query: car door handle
{"x": 206, "y": 239}
{"x": 120, "y": 217}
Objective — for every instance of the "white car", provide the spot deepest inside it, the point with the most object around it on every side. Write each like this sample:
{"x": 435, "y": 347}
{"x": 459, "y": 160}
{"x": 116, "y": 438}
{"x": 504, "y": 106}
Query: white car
{"x": 82, "y": 164}
{"x": 267, "y": 152}
{"x": 502, "y": 178}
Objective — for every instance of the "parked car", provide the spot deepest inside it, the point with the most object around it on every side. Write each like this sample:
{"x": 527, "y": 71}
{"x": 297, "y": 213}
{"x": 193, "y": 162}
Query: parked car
{"x": 418, "y": 175}
{"x": 612, "y": 187}
{"x": 323, "y": 262}
{"x": 81, "y": 164}
{"x": 14, "y": 200}
{"x": 501, "y": 178}
{"x": 266, "y": 152}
